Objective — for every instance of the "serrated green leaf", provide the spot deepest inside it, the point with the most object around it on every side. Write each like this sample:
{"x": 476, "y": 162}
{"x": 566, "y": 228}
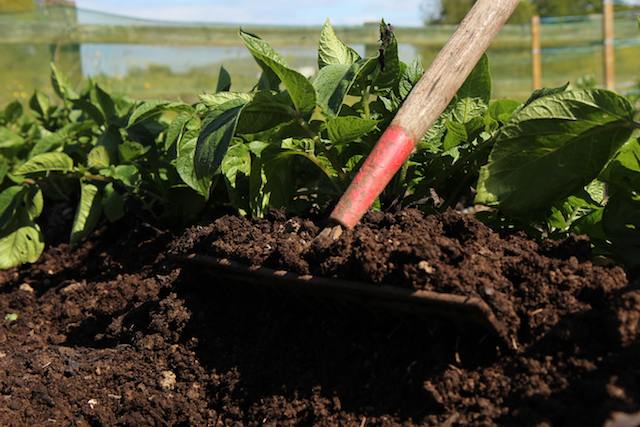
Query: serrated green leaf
{"x": 553, "y": 147}
{"x": 224, "y": 80}
{"x": 349, "y": 128}
{"x": 217, "y": 131}
{"x": 46, "y": 162}
{"x": 331, "y": 50}
{"x": 299, "y": 88}
{"x": 87, "y": 213}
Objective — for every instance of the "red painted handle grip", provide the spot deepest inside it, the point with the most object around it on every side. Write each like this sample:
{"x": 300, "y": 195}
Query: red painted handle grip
{"x": 391, "y": 151}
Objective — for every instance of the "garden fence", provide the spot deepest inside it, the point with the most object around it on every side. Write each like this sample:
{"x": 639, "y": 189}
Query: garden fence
{"x": 154, "y": 59}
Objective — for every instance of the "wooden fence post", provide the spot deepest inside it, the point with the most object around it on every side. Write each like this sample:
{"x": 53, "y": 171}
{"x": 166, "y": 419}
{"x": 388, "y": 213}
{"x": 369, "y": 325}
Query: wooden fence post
{"x": 608, "y": 40}
{"x": 536, "y": 52}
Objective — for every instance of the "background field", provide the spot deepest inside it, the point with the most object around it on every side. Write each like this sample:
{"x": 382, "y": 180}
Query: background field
{"x": 152, "y": 59}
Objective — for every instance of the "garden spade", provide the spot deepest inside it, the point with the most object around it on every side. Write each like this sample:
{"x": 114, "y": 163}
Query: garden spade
{"x": 427, "y": 101}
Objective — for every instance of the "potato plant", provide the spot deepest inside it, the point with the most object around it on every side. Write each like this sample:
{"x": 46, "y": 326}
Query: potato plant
{"x": 565, "y": 161}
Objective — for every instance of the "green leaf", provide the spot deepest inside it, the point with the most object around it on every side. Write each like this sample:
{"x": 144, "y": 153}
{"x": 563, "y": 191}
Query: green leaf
{"x": 4, "y": 168}
{"x": 388, "y": 59}
{"x": 12, "y": 112}
{"x": 20, "y": 243}
{"x": 33, "y": 201}
{"x": 331, "y": 50}
{"x": 105, "y": 103}
{"x": 87, "y": 214}
{"x": 265, "y": 111}
{"x": 129, "y": 175}
{"x": 9, "y": 139}
{"x": 502, "y": 110}
{"x": 214, "y": 100}
{"x": 574, "y": 208}
{"x": 300, "y": 89}
{"x": 112, "y": 203}
{"x": 545, "y": 91}
{"x": 349, "y": 128}
{"x": 623, "y": 171}
{"x": 217, "y": 131}
{"x": 409, "y": 77}
{"x": 49, "y": 143}
{"x": 332, "y": 85}
{"x": 46, "y": 162}
{"x": 224, "y": 80}
{"x": 456, "y": 135}
{"x": 235, "y": 166}
{"x": 176, "y": 128}
{"x": 150, "y": 109}
{"x": 185, "y": 165}
{"x": 478, "y": 84}
{"x": 39, "y": 104}
{"x": 61, "y": 85}
{"x": 9, "y": 200}
{"x": 553, "y": 147}
{"x": 129, "y": 151}
{"x": 98, "y": 157}
{"x": 466, "y": 109}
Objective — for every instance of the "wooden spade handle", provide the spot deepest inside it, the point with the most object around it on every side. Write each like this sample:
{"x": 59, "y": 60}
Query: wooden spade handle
{"x": 428, "y": 99}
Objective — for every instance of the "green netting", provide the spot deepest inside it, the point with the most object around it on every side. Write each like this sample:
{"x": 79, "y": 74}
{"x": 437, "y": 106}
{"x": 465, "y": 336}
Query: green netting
{"x": 153, "y": 59}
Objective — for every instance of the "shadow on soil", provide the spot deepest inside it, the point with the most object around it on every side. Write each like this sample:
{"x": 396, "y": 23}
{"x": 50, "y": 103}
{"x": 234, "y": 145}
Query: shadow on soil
{"x": 292, "y": 346}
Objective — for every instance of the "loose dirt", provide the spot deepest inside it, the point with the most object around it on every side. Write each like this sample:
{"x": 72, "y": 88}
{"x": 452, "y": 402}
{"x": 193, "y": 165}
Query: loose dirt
{"x": 115, "y": 332}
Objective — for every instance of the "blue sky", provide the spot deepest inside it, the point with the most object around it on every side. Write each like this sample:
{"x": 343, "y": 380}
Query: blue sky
{"x": 298, "y": 12}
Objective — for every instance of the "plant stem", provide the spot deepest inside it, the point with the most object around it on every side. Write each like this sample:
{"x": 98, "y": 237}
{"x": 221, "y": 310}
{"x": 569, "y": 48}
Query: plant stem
{"x": 365, "y": 102}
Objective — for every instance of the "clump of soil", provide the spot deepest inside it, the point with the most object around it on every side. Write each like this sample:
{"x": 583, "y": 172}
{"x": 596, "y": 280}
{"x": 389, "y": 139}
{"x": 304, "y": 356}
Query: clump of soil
{"x": 529, "y": 286}
{"x": 114, "y": 332}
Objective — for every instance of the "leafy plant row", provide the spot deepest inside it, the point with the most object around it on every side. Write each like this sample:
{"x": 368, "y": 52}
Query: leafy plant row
{"x": 564, "y": 161}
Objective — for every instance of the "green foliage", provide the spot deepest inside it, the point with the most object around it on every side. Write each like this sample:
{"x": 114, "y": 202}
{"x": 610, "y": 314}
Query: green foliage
{"x": 564, "y": 161}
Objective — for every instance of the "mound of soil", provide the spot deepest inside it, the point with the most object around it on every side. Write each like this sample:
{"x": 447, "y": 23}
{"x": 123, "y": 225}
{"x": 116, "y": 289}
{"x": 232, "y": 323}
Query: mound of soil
{"x": 115, "y": 332}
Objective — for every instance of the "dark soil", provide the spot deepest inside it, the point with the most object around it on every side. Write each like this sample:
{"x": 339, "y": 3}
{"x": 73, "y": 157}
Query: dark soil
{"x": 114, "y": 332}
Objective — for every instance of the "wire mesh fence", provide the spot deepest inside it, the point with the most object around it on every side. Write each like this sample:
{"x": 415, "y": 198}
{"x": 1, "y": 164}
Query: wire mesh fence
{"x": 154, "y": 59}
